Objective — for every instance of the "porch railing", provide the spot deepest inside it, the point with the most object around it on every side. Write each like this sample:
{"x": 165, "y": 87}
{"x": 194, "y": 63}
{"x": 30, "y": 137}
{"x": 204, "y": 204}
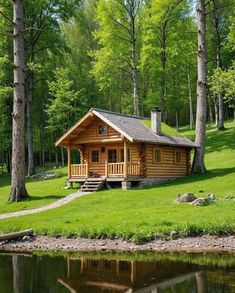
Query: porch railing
{"x": 79, "y": 170}
{"x": 133, "y": 169}
{"x": 115, "y": 169}
{"x": 111, "y": 170}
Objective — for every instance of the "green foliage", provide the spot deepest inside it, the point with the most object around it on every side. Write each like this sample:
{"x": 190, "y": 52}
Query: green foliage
{"x": 66, "y": 104}
{"x": 223, "y": 81}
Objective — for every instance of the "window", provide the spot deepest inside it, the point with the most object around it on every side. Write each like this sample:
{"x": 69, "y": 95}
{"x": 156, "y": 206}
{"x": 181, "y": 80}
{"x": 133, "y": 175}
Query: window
{"x": 157, "y": 157}
{"x": 102, "y": 129}
{"x": 122, "y": 155}
{"x": 95, "y": 156}
{"x": 177, "y": 157}
{"x": 112, "y": 156}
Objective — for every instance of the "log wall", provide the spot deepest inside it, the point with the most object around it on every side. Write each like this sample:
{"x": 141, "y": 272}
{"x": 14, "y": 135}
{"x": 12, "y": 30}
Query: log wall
{"x": 168, "y": 167}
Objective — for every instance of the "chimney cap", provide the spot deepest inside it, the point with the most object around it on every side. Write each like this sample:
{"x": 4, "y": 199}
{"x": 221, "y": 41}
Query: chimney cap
{"x": 156, "y": 109}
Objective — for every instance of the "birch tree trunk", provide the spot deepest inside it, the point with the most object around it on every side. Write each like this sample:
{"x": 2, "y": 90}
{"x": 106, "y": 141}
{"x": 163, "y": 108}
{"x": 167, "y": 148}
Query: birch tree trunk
{"x": 199, "y": 160}
{"x": 18, "y": 189}
{"x": 217, "y": 39}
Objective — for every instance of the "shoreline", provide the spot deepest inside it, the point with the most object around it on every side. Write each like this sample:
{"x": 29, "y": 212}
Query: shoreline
{"x": 201, "y": 244}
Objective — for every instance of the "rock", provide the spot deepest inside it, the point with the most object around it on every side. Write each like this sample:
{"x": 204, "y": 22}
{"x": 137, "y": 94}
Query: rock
{"x": 43, "y": 175}
{"x": 210, "y": 196}
{"x": 26, "y": 238}
{"x": 173, "y": 234}
{"x": 187, "y": 197}
{"x": 228, "y": 197}
{"x": 199, "y": 202}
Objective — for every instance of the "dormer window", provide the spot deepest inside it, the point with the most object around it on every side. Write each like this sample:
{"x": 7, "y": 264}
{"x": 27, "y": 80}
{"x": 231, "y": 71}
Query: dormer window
{"x": 102, "y": 129}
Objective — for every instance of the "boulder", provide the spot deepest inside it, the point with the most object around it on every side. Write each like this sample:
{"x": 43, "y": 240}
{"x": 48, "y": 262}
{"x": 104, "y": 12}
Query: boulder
{"x": 210, "y": 196}
{"x": 187, "y": 197}
{"x": 199, "y": 202}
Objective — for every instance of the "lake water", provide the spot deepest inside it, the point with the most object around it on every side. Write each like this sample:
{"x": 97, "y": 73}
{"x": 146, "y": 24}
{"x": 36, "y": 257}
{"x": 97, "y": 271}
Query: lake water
{"x": 116, "y": 273}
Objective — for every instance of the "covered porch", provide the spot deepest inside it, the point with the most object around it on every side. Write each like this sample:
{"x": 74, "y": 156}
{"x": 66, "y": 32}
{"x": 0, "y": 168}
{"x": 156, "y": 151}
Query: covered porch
{"x": 112, "y": 162}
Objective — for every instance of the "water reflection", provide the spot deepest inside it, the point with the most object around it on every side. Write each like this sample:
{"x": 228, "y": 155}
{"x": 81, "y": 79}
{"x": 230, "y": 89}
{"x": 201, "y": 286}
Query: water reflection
{"x": 72, "y": 273}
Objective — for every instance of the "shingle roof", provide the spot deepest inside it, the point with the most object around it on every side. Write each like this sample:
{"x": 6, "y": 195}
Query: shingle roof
{"x": 133, "y": 128}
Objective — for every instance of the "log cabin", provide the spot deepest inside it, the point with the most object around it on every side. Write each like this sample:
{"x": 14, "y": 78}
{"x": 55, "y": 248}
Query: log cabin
{"x": 114, "y": 147}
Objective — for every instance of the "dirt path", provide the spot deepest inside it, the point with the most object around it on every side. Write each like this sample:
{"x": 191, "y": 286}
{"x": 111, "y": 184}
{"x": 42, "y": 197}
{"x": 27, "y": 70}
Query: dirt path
{"x": 51, "y": 206}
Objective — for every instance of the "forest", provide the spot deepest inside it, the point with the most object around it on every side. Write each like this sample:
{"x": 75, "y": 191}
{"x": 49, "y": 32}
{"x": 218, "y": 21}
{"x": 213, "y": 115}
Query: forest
{"x": 125, "y": 56}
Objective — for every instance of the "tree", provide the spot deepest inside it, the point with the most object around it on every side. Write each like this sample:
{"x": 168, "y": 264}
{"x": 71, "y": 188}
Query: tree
{"x": 43, "y": 35}
{"x": 18, "y": 189}
{"x": 223, "y": 82}
{"x": 201, "y": 115}
{"x": 118, "y": 36}
{"x": 65, "y": 104}
{"x": 169, "y": 60}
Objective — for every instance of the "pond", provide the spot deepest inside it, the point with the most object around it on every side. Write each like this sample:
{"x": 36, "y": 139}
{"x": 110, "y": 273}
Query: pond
{"x": 114, "y": 272}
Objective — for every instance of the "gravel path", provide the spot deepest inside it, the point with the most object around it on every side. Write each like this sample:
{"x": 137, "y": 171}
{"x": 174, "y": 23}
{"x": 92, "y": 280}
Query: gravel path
{"x": 51, "y": 206}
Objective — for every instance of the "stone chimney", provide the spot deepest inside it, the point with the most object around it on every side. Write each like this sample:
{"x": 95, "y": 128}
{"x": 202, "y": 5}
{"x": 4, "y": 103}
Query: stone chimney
{"x": 156, "y": 119}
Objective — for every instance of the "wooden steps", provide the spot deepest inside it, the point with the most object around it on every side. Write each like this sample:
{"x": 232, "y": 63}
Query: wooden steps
{"x": 93, "y": 184}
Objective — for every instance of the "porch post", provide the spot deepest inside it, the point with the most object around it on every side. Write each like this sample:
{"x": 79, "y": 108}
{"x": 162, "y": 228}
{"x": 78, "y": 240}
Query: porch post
{"x": 125, "y": 160}
{"x": 69, "y": 162}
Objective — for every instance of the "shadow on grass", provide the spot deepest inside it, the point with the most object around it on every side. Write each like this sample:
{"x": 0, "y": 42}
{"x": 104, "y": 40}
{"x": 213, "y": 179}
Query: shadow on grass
{"x": 220, "y": 140}
{"x": 37, "y": 198}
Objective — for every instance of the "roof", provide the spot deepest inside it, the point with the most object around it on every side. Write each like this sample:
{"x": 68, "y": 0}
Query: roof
{"x": 134, "y": 128}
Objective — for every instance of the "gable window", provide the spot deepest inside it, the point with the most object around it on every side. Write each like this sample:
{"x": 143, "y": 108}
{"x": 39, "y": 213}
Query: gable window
{"x": 112, "y": 156}
{"x": 122, "y": 155}
{"x": 102, "y": 129}
{"x": 177, "y": 157}
{"x": 157, "y": 156}
{"x": 95, "y": 156}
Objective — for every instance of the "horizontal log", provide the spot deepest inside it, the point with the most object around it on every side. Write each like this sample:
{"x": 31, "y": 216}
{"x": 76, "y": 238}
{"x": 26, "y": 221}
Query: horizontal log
{"x": 15, "y": 235}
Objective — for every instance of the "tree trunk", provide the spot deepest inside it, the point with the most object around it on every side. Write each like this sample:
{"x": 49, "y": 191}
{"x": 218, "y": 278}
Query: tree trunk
{"x": 210, "y": 111}
{"x": 56, "y": 156}
{"x": 216, "y": 111}
{"x": 176, "y": 120}
{"x": 62, "y": 156}
{"x": 199, "y": 160}
{"x": 31, "y": 165}
{"x": 18, "y": 189}
{"x": 133, "y": 64}
{"x": 163, "y": 76}
{"x": 191, "y": 122}
{"x": 217, "y": 38}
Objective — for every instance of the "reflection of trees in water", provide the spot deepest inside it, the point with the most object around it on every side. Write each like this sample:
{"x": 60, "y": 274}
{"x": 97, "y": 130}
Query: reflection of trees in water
{"x": 22, "y": 270}
{"x": 79, "y": 274}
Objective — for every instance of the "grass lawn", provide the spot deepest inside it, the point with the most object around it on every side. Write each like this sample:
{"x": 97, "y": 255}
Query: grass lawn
{"x": 41, "y": 192}
{"x": 144, "y": 214}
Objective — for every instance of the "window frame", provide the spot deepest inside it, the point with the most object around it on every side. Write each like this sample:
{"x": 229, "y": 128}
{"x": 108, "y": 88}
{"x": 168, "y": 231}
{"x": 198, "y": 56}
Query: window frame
{"x": 155, "y": 161}
{"x": 91, "y": 158}
{"x": 178, "y": 160}
{"x": 98, "y": 129}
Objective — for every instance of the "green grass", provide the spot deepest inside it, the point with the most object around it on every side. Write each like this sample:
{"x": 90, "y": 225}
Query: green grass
{"x": 42, "y": 192}
{"x": 166, "y": 129}
{"x": 144, "y": 214}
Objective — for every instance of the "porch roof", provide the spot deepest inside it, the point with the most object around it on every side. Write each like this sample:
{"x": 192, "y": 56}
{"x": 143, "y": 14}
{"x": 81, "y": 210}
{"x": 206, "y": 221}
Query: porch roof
{"x": 131, "y": 127}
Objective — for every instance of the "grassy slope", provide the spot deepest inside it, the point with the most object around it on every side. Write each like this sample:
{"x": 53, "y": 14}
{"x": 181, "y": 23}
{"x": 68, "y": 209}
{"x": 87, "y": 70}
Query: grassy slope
{"x": 166, "y": 129}
{"x": 142, "y": 214}
{"x": 41, "y": 192}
